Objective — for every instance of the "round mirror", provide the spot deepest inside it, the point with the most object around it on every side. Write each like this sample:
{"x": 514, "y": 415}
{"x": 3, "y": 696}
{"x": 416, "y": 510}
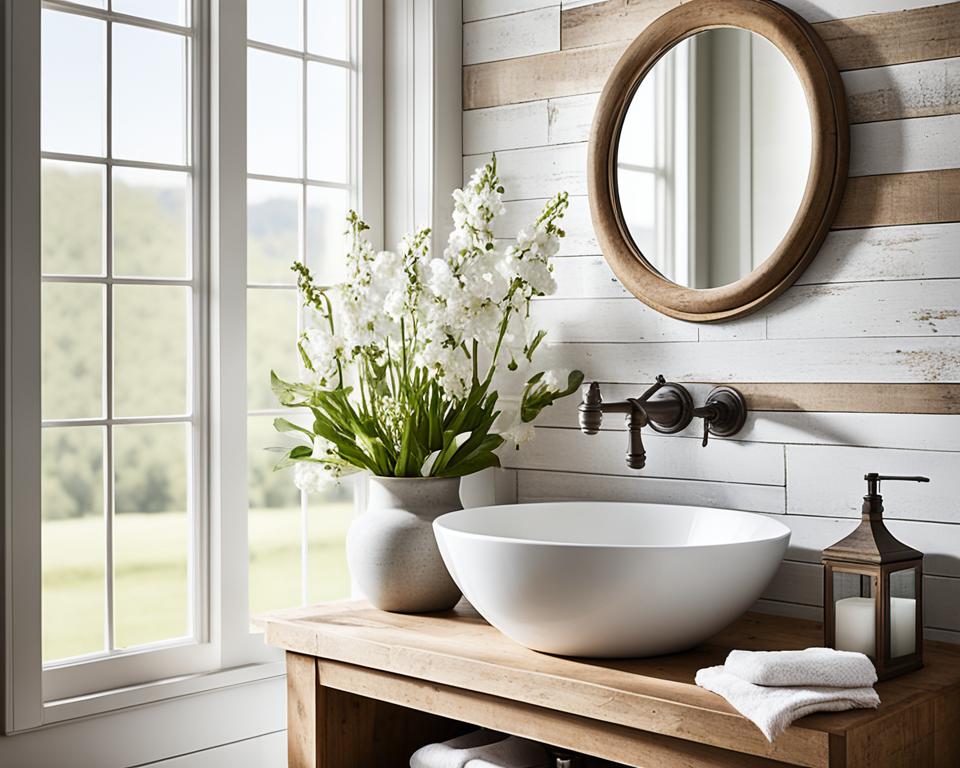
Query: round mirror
{"x": 718, "y": 157}
{"x": 713, "y": 157}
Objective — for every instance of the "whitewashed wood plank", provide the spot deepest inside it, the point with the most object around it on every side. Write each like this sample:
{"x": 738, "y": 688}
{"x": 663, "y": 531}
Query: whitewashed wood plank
{"x": 886, "y": 253}
{"x": 914, "y": 431}
{"x": 939, "y": 542}
{"x": 796, "y": 583}
{"x": 827, "y": 481}
{"x": 845, "y": 311}
{"x": 571, "y": 451}
{"x": 498, "y": 128}
{"x": 538, "y": 173}
{"x": 908, "y": 90}
{"x": 941, "y": 603}
{"x": 586, "y": 277}
{"x": 510, "y": 37}
{"x": 536, "y": 485}
{"x": 475, "y": 10}
{"x": 608, "y": 319}
{"x": 570, "y": 118}
{"x": 848, "y": 310}
{"x": 752, "y": 327}
{"x": 909, "y": 360}
{"x": 580, "y": 238}
{"x": 905, "y": 146}
{"x": 825, "y": 10}
{"x": 917, "y": 431}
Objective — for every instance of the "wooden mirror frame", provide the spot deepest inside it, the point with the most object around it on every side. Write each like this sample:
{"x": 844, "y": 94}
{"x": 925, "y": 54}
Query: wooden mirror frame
{"x": 826, "y": 101}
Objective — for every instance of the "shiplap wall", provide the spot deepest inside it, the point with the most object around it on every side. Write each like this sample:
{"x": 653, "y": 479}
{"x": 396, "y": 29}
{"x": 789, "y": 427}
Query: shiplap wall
{"x": 878, "y": 310}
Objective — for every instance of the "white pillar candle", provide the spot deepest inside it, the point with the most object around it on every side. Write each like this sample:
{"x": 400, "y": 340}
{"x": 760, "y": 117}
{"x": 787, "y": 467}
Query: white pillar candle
{"x": 856, "y": 624}
{"x": 903, "y": 626}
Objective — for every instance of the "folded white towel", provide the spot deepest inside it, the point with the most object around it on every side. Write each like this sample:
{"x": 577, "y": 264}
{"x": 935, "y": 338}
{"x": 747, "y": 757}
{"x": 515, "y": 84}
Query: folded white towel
{"x": 813, "y": 666}
{"x": 773, "y": 709}
{"x": 481, "y": 749}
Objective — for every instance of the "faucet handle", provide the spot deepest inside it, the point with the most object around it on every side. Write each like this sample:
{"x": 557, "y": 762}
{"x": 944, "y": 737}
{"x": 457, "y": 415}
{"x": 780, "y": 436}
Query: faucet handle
{"x": 591, "y": 409}
{"x": 660, "y": 381}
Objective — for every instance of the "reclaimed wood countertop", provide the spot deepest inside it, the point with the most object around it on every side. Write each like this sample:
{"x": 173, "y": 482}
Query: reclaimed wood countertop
{"x": 630, "y": 710}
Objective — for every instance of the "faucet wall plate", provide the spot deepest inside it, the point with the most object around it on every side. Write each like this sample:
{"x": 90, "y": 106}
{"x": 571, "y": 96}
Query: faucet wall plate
{"x": 733, "y": 411}
{"x": 677, "y": 392}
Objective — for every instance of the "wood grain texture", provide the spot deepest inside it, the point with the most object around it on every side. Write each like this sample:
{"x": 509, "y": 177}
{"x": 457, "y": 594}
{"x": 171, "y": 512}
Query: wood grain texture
{"x": 905, "y": 146}
{"x": 882, "y": 39}
{"x": 513, "y": 36}
{"x": 302, "y": 692}
{"x": 455, "y": 665}
{"x": 913, "y": 360}
{"x": 593, "y": 38}
{"x": 917, "y": 89}
{"x": 927, "y": 197}
{"x": 539, "y": 485}
{"x": 610, "y": 742}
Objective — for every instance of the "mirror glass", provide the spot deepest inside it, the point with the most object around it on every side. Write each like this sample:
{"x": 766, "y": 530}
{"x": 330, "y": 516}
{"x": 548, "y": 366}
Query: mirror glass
{"x": 713, "y": 157}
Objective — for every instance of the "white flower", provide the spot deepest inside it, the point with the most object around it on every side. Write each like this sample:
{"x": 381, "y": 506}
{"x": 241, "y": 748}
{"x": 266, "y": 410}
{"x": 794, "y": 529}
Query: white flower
{"x": 311, "y": 478}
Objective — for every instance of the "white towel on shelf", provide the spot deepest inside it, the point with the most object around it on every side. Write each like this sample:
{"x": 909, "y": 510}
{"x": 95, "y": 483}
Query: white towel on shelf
{"x": 813, "y": 666}
{"x": 772, "y": 709}
{"x": 481, "y": 749}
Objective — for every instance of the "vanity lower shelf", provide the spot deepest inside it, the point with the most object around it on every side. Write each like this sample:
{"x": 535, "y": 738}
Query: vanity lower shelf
{"x": 366, "y": 688}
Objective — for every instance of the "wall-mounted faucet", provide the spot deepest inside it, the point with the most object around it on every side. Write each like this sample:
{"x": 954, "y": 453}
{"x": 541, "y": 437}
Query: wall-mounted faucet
{"x": 670, "y": 411}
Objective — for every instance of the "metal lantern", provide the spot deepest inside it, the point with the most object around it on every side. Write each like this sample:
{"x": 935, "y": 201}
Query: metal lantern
{"x": 873, "y": 591}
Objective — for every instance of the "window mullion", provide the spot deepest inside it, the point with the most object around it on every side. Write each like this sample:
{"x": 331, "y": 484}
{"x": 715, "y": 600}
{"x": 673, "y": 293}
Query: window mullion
{"x": 108, "y": 359}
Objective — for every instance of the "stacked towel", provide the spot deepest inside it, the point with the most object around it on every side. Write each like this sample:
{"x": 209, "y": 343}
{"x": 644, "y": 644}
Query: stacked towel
{"x": 482, "y": 749}
{"x": 774, "y": 688}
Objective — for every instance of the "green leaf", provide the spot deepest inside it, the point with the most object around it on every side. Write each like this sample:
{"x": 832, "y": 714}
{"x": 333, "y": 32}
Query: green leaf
{"x": 285, "y": 425}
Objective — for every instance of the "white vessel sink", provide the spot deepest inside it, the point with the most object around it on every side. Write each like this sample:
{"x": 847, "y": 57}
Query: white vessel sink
{"x": 607, "y": 579}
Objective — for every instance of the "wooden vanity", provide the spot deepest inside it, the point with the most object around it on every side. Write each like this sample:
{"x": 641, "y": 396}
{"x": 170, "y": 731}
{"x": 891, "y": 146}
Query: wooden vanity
{"x": 367, "y": 688}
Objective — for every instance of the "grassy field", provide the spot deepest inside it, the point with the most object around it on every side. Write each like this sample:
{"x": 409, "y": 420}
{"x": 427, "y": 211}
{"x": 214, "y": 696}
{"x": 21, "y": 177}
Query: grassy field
{"x": 151, "y": 573}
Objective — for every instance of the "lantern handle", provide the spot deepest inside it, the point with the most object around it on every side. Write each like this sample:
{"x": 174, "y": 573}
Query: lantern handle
{"x": 873, "y": 481}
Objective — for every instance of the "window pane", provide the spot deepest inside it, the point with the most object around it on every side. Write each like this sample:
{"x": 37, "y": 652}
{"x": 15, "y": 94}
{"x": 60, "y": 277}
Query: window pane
{"x": 274, "y": 96}
{"x": 73, "y": 535}
{"x": 327, "y": 28}
{"x": 150, "y": 230}
{"x": 273, "y": 231}
{"x": 327, "y": 122}
{"x": 274, "y": 522}
{"x": 149, "y": 95}
{"x": 151, "y": 535}
{"x": 170, "y": 11}
{"x": 71, "y": 351}
{"x": 277, "y": 22}
{"x": 638, "y": 188}
{"x": 328, "y": 517}
{"x": 150, "y": 350}
{"x": 72, "y": 220}
{"x": 326, "y": 225}
{"x": 73, "y": 85}
{"x": 271, "y": 342}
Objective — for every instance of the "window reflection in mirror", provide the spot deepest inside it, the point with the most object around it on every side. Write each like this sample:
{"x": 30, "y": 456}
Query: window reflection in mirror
{"x": 713, "y": 157}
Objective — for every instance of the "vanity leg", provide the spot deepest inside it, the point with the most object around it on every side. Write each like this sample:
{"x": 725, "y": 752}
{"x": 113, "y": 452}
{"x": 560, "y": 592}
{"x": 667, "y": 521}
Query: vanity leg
{"x": 329, "y": 728}
{"x": 302, "y": 701}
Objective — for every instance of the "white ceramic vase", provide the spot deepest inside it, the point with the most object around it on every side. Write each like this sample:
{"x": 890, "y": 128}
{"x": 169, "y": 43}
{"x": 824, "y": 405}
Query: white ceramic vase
{"x": 391, "y": 548}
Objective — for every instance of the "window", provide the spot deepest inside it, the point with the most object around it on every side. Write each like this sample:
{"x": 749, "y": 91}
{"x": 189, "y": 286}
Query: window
{"x": 121, "y": 335}
{"x": 301, "y": 179}
{"x": 175, "y": 181}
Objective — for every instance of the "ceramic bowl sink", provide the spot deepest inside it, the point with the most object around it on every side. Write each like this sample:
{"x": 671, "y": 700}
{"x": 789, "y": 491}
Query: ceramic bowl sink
{"x": 606, "y": 579}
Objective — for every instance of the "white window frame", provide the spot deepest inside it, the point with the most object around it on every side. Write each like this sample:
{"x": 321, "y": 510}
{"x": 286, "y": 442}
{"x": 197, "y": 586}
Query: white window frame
{"x": 68, "y": 678}
{"x": 227, "y": 653}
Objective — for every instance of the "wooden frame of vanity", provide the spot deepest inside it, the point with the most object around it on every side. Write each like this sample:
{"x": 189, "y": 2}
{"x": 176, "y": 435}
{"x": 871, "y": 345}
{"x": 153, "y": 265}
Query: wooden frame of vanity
{"x": 367, "y": 688}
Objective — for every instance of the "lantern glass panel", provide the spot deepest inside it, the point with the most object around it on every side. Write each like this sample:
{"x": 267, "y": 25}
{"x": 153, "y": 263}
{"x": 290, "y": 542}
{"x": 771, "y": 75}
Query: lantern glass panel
{"x": 903, "y": 613}
{"x": 855, "y": 612}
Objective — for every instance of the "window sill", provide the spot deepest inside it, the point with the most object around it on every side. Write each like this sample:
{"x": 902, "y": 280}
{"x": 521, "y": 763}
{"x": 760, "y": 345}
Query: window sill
{"x": 159, "y": 690}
